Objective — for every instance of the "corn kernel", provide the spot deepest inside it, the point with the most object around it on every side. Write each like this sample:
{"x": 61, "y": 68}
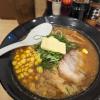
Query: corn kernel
{"x": 22, "y": 75}
{"x": 37, "y": 56}
{"x": 25, "y": 74}
{"x": 30, "y": 70}
{"x": 39, "y": 60}
{"x": 23, "y": 56}
{"x": 36, "y": 63}
{"x": 23, "y": 61}
{"x": 28, "y": 59}
{"x": 27, "y": 51}
{"x": 17, "y": 56}
{"x": 27, "y": 65}
{"x": 14, "y": 63}
{"x": 32, "y": 59}
{"x": 17, "y": 59}
{"x": 16, "y": 67}
{"x": 27, "y": 55}
{"x": 22, "y": 69}
{"x": 19, "y": 77}
{"x": 18, "y": 71}
{"x": 19, "y": 64}
{"x": 26, "y": 69}
{"x": 36, "y": 77}
{"x": 85, "y": 51}
{"x": 39, "y": 70}
{"x": 30, "y": 64}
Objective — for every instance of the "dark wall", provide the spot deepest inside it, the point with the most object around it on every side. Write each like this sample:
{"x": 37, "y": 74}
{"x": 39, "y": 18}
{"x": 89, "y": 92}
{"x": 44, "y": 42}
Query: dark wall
{"x": 7, "y": 9}
{"x": 22, "y": 10}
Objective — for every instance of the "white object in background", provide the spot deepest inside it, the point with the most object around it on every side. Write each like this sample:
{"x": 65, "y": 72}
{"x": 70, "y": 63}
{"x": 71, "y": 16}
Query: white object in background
{"x": 86, "y": 1}
{"x": 56, "y": 7}
{"x": 32, "y": 38}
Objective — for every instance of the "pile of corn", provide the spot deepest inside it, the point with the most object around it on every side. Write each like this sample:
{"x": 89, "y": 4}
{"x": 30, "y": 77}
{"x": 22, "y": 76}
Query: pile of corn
{"x": 37, "y": 63}
{"x": 25, "y": 61}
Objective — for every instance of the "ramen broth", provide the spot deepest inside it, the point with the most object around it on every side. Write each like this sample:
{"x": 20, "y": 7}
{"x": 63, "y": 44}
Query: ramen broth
{"x": 57, "y": 82}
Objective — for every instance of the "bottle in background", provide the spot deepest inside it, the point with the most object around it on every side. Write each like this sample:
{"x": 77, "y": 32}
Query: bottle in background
{"x": 66, "y": 7}
{"x": 48, "y": 10}
{"x": 79, "y": 10}
{"x": 56, "y": 7}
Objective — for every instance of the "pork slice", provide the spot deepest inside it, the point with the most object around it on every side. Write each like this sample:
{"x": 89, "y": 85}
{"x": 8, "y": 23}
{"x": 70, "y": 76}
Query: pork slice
{"x": 69, "y": 67}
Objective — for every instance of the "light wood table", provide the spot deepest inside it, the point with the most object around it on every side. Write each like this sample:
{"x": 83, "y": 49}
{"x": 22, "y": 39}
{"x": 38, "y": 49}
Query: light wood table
{"x": 5, "y": 27}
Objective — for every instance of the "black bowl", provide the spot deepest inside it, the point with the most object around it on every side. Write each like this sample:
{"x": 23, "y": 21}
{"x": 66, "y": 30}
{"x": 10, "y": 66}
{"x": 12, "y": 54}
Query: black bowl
{"x": 7, "y": 77}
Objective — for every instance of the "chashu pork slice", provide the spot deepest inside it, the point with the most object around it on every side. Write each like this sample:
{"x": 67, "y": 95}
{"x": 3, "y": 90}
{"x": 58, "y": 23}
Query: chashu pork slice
{"x": 70, "y": 66}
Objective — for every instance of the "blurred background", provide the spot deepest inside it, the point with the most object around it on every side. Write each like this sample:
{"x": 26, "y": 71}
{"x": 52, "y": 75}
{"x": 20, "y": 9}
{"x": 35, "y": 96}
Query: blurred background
{"x": 22, "y": 10}
{"x": 25, "y": 10}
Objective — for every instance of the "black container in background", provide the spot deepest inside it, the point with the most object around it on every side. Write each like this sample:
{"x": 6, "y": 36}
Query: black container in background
{"x": 48, "y": 10}
{"x": 79, "y": 10}
{"x": 65, "y": 9}
{"x": 97, "y": 1}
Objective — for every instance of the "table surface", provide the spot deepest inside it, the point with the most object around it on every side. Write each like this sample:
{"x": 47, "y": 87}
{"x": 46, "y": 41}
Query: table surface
{"x": 5, "y": 27}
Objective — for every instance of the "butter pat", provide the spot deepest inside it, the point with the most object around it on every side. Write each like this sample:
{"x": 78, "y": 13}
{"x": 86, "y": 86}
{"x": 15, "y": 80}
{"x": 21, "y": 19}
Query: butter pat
{"x": 53, "y": 44}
